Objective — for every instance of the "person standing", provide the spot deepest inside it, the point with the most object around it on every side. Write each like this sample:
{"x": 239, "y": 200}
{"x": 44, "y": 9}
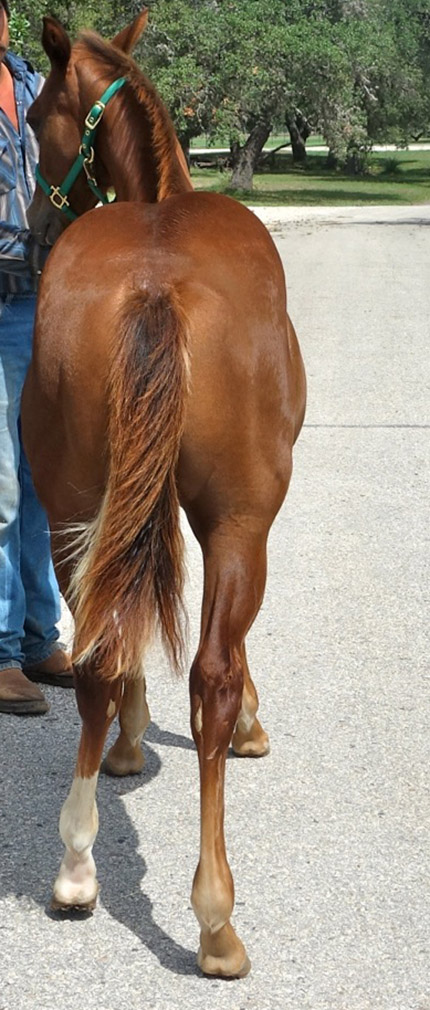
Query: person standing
{"x": 29, "y": 595}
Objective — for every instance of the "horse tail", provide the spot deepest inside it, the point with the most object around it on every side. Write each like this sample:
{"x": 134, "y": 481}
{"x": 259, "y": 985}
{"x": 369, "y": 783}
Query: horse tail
{"x": 129, "y": 578}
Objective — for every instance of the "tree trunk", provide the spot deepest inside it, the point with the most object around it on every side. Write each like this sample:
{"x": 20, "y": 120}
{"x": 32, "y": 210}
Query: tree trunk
{"x": 299, "y": 130}
{"x": 298, "y": 145}
{"x": 185, "y": 142}
{"x": 245, "y": 158}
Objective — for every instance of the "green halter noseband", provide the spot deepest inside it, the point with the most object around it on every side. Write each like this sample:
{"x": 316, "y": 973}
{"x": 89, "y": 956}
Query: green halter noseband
{"x": 58, "y": 195}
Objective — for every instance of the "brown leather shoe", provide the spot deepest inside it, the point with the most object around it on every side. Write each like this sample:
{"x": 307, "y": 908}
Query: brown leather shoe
{"x": 18, "y": 696}
{"x": 56, "y": 670}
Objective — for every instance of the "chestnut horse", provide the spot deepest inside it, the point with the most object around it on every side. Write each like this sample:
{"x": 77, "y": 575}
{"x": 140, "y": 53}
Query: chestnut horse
{"x": 165, "y": 371}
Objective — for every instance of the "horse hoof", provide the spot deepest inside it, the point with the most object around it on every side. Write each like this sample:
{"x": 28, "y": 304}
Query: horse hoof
{"x": 223, "y": 954}
{"x": 76, "y": 889}
{"x": 72, "y": 911}
{"x": 221, "y": 967}
{"x": 250, "y": 749}
{"x": 60, "y": 905}
{"x": 119, "y": 765}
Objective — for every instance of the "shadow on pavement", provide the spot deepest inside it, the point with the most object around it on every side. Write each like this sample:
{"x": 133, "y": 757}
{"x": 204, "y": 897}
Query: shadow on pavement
{"x": 37, "y": 758}
{"x": 415, "y": 221}
{"x": 161, "y": 736}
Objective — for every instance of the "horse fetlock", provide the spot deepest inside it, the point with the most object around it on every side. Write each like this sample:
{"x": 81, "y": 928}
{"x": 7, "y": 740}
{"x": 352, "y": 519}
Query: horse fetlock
{"x": 79, "y": 818}
{"x": 212, "y": 898}
{"x": 222, "y": 953}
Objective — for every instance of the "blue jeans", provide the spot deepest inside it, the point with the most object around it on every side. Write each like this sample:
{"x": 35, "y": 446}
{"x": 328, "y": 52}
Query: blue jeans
{"x": 29, "y": 595}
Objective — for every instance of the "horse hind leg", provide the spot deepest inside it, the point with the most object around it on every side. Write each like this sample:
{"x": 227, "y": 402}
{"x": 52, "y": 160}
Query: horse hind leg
{"x": 98, "y": 703}
{"x": 235, "y": 572}
{"x": 125, "y": 757}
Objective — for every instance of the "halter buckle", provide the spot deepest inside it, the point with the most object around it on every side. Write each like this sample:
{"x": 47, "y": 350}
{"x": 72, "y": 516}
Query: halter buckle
{"x": 57, "y": 198}
{"x": 92, "y": 119}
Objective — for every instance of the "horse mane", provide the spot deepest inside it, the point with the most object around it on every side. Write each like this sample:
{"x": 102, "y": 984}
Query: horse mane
{"x": 164, "y": 140}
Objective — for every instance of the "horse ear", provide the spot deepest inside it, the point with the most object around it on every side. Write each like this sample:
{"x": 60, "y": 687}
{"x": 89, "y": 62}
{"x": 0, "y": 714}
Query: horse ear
{"x": 56, "y": 43}
{"x": 127, "y": 39}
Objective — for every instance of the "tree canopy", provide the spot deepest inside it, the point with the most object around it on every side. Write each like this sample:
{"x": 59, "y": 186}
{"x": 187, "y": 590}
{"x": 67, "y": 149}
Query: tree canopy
{"x": 356, "y": 71}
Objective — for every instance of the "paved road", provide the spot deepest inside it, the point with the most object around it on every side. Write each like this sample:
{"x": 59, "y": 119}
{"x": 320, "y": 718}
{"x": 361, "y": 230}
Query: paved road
{"x": 329, "y": 836}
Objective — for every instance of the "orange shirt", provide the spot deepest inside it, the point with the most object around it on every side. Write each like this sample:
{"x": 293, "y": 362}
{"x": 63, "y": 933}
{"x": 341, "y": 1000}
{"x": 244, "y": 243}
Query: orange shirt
{"x": 7, "y": 95}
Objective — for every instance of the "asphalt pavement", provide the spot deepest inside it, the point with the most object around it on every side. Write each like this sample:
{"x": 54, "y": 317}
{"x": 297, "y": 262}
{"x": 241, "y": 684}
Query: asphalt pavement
{"x": 328, "y": 836}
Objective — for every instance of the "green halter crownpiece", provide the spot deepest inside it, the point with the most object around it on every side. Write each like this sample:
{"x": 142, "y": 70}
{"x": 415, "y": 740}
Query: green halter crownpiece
{"x": 58, "y": 195}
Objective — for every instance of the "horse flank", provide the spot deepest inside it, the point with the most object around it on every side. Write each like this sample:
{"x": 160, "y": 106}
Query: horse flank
{"x": 129, "y": 578}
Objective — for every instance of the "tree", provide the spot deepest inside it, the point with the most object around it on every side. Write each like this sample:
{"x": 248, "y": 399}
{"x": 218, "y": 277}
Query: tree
{"x": 220, "y": 67}
{"x": 180, "y": 54}
{"x": 319, "y": 79}
{"x": 401, "y": 108}
{"x": 357, "y": 70}
{"x": 26, "y": 23}
{"x": 252, "y": 76}
{"x": 361, "y": 71}
{"x": 300, "y": 129}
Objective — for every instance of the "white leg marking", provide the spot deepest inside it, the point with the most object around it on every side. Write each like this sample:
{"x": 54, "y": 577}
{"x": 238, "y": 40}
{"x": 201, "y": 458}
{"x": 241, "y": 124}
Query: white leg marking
{"x": 245, "y": 721}
{"x": 111, "y": 709}
{"x": 247, "y": 713}
{"x": 134, "y": 715}
{"x": 76, "y": 883}
{"x": 198, "y": 721}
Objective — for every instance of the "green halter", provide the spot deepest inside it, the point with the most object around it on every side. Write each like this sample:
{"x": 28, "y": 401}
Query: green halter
{"x": 58, "y": 195}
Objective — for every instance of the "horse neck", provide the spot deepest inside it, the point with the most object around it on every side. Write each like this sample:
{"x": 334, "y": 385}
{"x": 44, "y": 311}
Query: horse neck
{"x": 140, "y": 152}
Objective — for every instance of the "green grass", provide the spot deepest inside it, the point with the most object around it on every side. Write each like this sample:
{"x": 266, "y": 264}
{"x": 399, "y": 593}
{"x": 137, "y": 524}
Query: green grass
{"x": 315, "y": 140}
{"x": 274, "y": 141}
{"x": 401, "y": 177}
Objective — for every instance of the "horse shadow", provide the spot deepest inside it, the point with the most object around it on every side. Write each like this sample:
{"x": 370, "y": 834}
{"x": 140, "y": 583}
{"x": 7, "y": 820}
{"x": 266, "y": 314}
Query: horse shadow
{"x": 29, "y": 846}
{"x": 119, "y": 861}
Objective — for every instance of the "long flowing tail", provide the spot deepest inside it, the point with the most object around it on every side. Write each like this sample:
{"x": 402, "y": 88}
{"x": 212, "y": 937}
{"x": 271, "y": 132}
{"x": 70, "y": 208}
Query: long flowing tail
{"x": 129, "y": 577}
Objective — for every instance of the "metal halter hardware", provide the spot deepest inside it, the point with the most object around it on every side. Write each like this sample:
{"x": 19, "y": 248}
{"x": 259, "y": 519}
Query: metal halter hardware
{"x": 59, "y": 195}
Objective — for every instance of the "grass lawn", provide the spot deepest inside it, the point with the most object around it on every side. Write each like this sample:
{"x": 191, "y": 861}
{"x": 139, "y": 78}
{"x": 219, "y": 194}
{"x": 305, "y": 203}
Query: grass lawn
{"x": 402, "y": 177}
{"x": 274, "y": 140}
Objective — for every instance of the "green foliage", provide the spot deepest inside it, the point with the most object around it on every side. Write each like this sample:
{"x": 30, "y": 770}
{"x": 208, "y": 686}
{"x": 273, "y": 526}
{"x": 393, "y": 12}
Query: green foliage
{"x": 180, "y": 54}
{"x": 26, "y": 23}
{"x": 25, "y": 28}
{"x": 391, "y": 166}
{"x": 359, "y": 70}
{"x": 19, "y": 26}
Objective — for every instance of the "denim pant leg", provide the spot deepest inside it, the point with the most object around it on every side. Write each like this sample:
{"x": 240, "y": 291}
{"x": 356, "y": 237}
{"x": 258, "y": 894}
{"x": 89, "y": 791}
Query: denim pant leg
{"x": 13, "y": 365}
{"x": 27, "y": 622}
{"x": 42, "y": 597}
